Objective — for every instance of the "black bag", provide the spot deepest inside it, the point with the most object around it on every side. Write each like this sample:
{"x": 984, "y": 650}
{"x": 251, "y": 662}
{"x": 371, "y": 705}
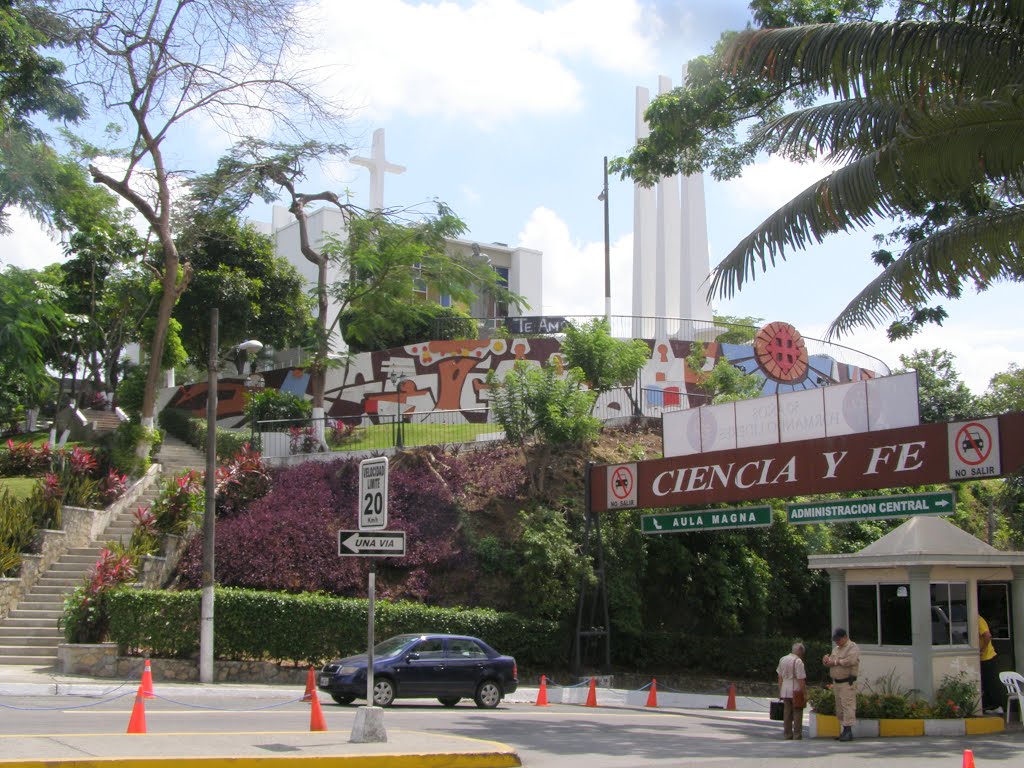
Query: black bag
{"x": 776, "y": 709}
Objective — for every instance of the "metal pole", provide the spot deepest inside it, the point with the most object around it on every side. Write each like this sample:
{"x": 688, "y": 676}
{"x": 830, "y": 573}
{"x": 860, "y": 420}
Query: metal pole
{"x": 372, "y": 590}
{"x": 607, "y": 252}
{"x": 209, "y": 515}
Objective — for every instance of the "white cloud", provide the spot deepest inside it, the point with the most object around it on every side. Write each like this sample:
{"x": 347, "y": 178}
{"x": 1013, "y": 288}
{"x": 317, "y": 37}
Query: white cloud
{"x": 770, "y": 183}
{"x": 574, "y": 271}
{"x": 484, "y": 61}
{"x": 28, "y": 246}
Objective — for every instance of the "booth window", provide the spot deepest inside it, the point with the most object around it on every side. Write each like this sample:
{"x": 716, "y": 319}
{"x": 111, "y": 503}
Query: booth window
{"x": 879, "y": 613}
{"x": 949, "y": 614}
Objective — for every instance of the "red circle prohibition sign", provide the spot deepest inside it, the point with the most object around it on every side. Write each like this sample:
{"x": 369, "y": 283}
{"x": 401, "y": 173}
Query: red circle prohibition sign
{"x": 622, "y": 482}
{"x": 973, "y": 437}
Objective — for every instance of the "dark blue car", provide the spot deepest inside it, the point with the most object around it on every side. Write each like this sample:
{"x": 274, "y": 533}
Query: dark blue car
{"x": 446, "y": 667}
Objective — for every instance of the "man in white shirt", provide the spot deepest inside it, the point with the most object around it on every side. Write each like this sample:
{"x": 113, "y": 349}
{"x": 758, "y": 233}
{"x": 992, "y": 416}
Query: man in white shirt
{"x": 793, "y": 691}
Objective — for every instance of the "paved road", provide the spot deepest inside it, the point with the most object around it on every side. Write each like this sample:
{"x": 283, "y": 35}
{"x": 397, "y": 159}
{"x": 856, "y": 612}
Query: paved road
{"x": 561, "y": 736}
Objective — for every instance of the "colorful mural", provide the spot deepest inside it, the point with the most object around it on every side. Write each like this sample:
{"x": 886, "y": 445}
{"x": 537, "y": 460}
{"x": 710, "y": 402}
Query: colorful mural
{"x": 451, "y": 376}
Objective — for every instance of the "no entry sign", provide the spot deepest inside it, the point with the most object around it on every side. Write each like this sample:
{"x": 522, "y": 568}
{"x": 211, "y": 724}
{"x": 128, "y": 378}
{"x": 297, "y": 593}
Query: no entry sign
{"x": 974, "y": 449}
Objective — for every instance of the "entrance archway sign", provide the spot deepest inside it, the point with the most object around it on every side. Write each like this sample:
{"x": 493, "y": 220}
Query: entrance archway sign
{"x": 919, "y": 455}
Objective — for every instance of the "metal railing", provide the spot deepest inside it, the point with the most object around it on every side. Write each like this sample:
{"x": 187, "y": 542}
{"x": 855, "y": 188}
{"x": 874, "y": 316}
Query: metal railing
{"x": 681, "y": 329}
{"x": 376, "y": 432}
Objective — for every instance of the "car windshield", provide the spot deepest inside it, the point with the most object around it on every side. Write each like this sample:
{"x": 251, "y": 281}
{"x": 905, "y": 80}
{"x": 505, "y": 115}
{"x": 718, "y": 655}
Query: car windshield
{"x": 392, "y": 645}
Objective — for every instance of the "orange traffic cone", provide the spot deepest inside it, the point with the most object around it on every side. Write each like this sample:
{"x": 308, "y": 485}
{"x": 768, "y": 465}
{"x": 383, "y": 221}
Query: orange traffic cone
{"x": 968, "y": 759}
{"x": 730, "y": 703}
{"x": 137, "y": 723}
{"x": 652, "y": 696}
{"x": 592, "y": 695}
{"x": 310, "y": 686}
{"x": 316, "y": 715}
{"x": 146, "y": 689}
{"x": 542, "y": 694}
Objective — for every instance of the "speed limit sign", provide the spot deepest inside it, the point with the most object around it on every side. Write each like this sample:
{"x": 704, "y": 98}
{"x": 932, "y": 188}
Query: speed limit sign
{"x": 373, "y": 493}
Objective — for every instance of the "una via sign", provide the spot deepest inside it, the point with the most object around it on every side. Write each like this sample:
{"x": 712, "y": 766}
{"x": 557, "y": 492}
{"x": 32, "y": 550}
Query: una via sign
{"x": 372, "y": 544}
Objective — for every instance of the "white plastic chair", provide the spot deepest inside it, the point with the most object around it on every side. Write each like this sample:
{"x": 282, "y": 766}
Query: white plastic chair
{"x": 1014, "y": 682}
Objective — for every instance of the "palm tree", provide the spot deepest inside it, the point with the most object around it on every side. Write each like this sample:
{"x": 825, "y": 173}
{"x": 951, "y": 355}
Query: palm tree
{"x": 924, "y": 111}
{"x": 922, "y": 117}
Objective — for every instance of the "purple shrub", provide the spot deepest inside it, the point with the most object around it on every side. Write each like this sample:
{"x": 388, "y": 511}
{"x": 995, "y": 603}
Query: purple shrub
{"x": 288, "y": 540}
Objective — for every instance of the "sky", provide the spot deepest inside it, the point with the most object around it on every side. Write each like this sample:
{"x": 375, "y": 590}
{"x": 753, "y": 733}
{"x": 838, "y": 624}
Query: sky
{"x": 505, "y": 109}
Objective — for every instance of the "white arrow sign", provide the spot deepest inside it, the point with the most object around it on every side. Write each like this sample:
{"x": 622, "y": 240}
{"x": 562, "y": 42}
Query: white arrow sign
{"x": 372, "y": 543}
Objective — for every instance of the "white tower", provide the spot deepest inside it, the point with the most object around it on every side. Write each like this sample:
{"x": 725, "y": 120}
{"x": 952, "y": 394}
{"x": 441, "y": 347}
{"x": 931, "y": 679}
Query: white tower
{"x": 670, "y": 247}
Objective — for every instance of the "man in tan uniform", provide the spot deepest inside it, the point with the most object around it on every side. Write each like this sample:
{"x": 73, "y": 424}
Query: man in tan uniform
{"x": 843, "y": 664}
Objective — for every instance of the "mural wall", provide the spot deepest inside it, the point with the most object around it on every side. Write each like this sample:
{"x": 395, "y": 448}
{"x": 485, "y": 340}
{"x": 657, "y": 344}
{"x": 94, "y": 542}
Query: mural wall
{"x": 451, "y": 376}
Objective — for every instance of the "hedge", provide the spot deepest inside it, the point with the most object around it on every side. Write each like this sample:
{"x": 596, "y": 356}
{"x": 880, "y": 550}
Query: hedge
{"x": 308, "y": 628}
{"x": 746, "y": 658}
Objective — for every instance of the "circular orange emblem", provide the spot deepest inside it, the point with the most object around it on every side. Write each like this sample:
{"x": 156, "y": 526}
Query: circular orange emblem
{"x": 780, "y": 352}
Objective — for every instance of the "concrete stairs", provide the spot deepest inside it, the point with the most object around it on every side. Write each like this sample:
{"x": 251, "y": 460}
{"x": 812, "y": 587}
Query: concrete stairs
{"x": 31, "y": 632}
{"x": 177, "y": 456}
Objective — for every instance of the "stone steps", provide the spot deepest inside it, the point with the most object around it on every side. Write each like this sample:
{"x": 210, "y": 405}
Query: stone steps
{"x": 31, "y": 633}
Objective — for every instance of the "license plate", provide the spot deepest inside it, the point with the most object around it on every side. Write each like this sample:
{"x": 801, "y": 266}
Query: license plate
{"x": 325, "y": 680}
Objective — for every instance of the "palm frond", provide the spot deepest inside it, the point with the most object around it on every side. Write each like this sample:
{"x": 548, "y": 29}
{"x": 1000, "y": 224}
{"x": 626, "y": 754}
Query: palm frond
{"x": 899, "y": 60}
{"x": 838, "y": 128}
{"x": 980, "y": 250}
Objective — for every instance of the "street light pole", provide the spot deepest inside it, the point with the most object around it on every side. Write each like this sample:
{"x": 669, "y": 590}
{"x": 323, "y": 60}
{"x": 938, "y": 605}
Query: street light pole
{"x": 607, "y": 251}
{"x": 209, "y": 514}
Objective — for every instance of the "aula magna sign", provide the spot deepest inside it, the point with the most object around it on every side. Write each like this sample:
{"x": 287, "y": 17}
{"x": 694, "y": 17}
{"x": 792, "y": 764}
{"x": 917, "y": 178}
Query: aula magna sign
{"x": 908, "y": 456}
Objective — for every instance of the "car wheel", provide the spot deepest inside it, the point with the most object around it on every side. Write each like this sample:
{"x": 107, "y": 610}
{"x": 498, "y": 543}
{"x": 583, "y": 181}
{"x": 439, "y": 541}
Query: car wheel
{"x": 383, "y": 692}
{"x": 449, "y": 701}
{"x": 343, "y": 700}
{"x": 488, "y": 694}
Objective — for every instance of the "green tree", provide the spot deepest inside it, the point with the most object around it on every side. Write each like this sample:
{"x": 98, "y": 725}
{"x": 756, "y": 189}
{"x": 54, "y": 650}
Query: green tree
{"x": 920, "y": 112}
{"x": 541, "y": 410}
{"x": 379, "y": 257}
{"x": 259, "y": 295}
{"x": 156, "y": 65}
{"x": 30, "y": 315}
{"x": 1005, "y": 392}
{"x": 941, "y": 393}
{"x": 724, "y": 383}
{"x": 32, "y": 85}
{"x": 368, "y": 332}
{"x": 606, "y": 363}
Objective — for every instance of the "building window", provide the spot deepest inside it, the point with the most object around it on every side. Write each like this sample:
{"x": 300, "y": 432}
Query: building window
{"x": 501, "y": 307}
{"x": 446, "y": 300}
{"x": 949, "y": 614}
{"x": 879, "y": 613}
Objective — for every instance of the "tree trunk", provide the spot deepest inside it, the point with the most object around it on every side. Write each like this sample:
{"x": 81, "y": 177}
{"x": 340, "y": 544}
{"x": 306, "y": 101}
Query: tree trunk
{"x": 163, "y": 319}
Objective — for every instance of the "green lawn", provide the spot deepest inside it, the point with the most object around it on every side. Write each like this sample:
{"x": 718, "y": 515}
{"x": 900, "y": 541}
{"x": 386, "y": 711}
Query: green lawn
{"x": 383, "y": 435}
{"x": 20, "y": 487}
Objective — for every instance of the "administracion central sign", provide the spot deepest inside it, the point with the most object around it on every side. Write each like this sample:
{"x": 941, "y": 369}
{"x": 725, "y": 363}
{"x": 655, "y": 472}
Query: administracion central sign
{"x": 873, "y": 508}
{"x": 707, "y": 520}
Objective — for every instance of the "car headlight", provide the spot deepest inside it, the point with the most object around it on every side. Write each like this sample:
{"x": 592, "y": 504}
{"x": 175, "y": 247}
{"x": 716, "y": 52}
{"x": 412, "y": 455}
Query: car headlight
{"x": 348, "y": 669}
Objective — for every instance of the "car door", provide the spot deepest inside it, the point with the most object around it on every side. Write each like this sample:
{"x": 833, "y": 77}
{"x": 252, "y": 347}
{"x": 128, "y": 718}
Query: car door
{"x": 465, "y": 663}
{"x": 422, "y": 670}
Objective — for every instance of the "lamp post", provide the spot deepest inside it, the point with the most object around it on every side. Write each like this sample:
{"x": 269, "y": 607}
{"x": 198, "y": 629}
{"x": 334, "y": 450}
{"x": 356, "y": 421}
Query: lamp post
{"x": 603, "y": 197}
{"x": 210, "y": 510}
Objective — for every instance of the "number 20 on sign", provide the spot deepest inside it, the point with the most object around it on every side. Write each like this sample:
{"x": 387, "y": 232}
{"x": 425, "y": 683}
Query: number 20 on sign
{"x": 373, "y": 494}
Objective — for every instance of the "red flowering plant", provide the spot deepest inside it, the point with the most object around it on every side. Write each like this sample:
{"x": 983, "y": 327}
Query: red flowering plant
{"x": 86, "y": 616}
{"x": 77, "y": 470}
{"x": 240, "y": 481}
{"x": 303, "y": 440}
{"x": 24, "y": 459}
{"x": 956, "y": 696}
{"x": 145, "y": 535}
{"x": 112, "y": 487}
{"x": 180, "y": 502}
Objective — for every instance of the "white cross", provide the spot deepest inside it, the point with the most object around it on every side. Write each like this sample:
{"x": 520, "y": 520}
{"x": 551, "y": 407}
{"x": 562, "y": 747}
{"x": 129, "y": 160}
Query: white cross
{"x": 378, "y": 167}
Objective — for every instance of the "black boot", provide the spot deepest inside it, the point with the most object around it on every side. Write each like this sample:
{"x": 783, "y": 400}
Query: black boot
{"x": 847, "y": 734}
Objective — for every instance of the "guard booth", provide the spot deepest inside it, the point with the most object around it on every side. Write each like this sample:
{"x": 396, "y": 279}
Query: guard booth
{"x": 911, "y": 602}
